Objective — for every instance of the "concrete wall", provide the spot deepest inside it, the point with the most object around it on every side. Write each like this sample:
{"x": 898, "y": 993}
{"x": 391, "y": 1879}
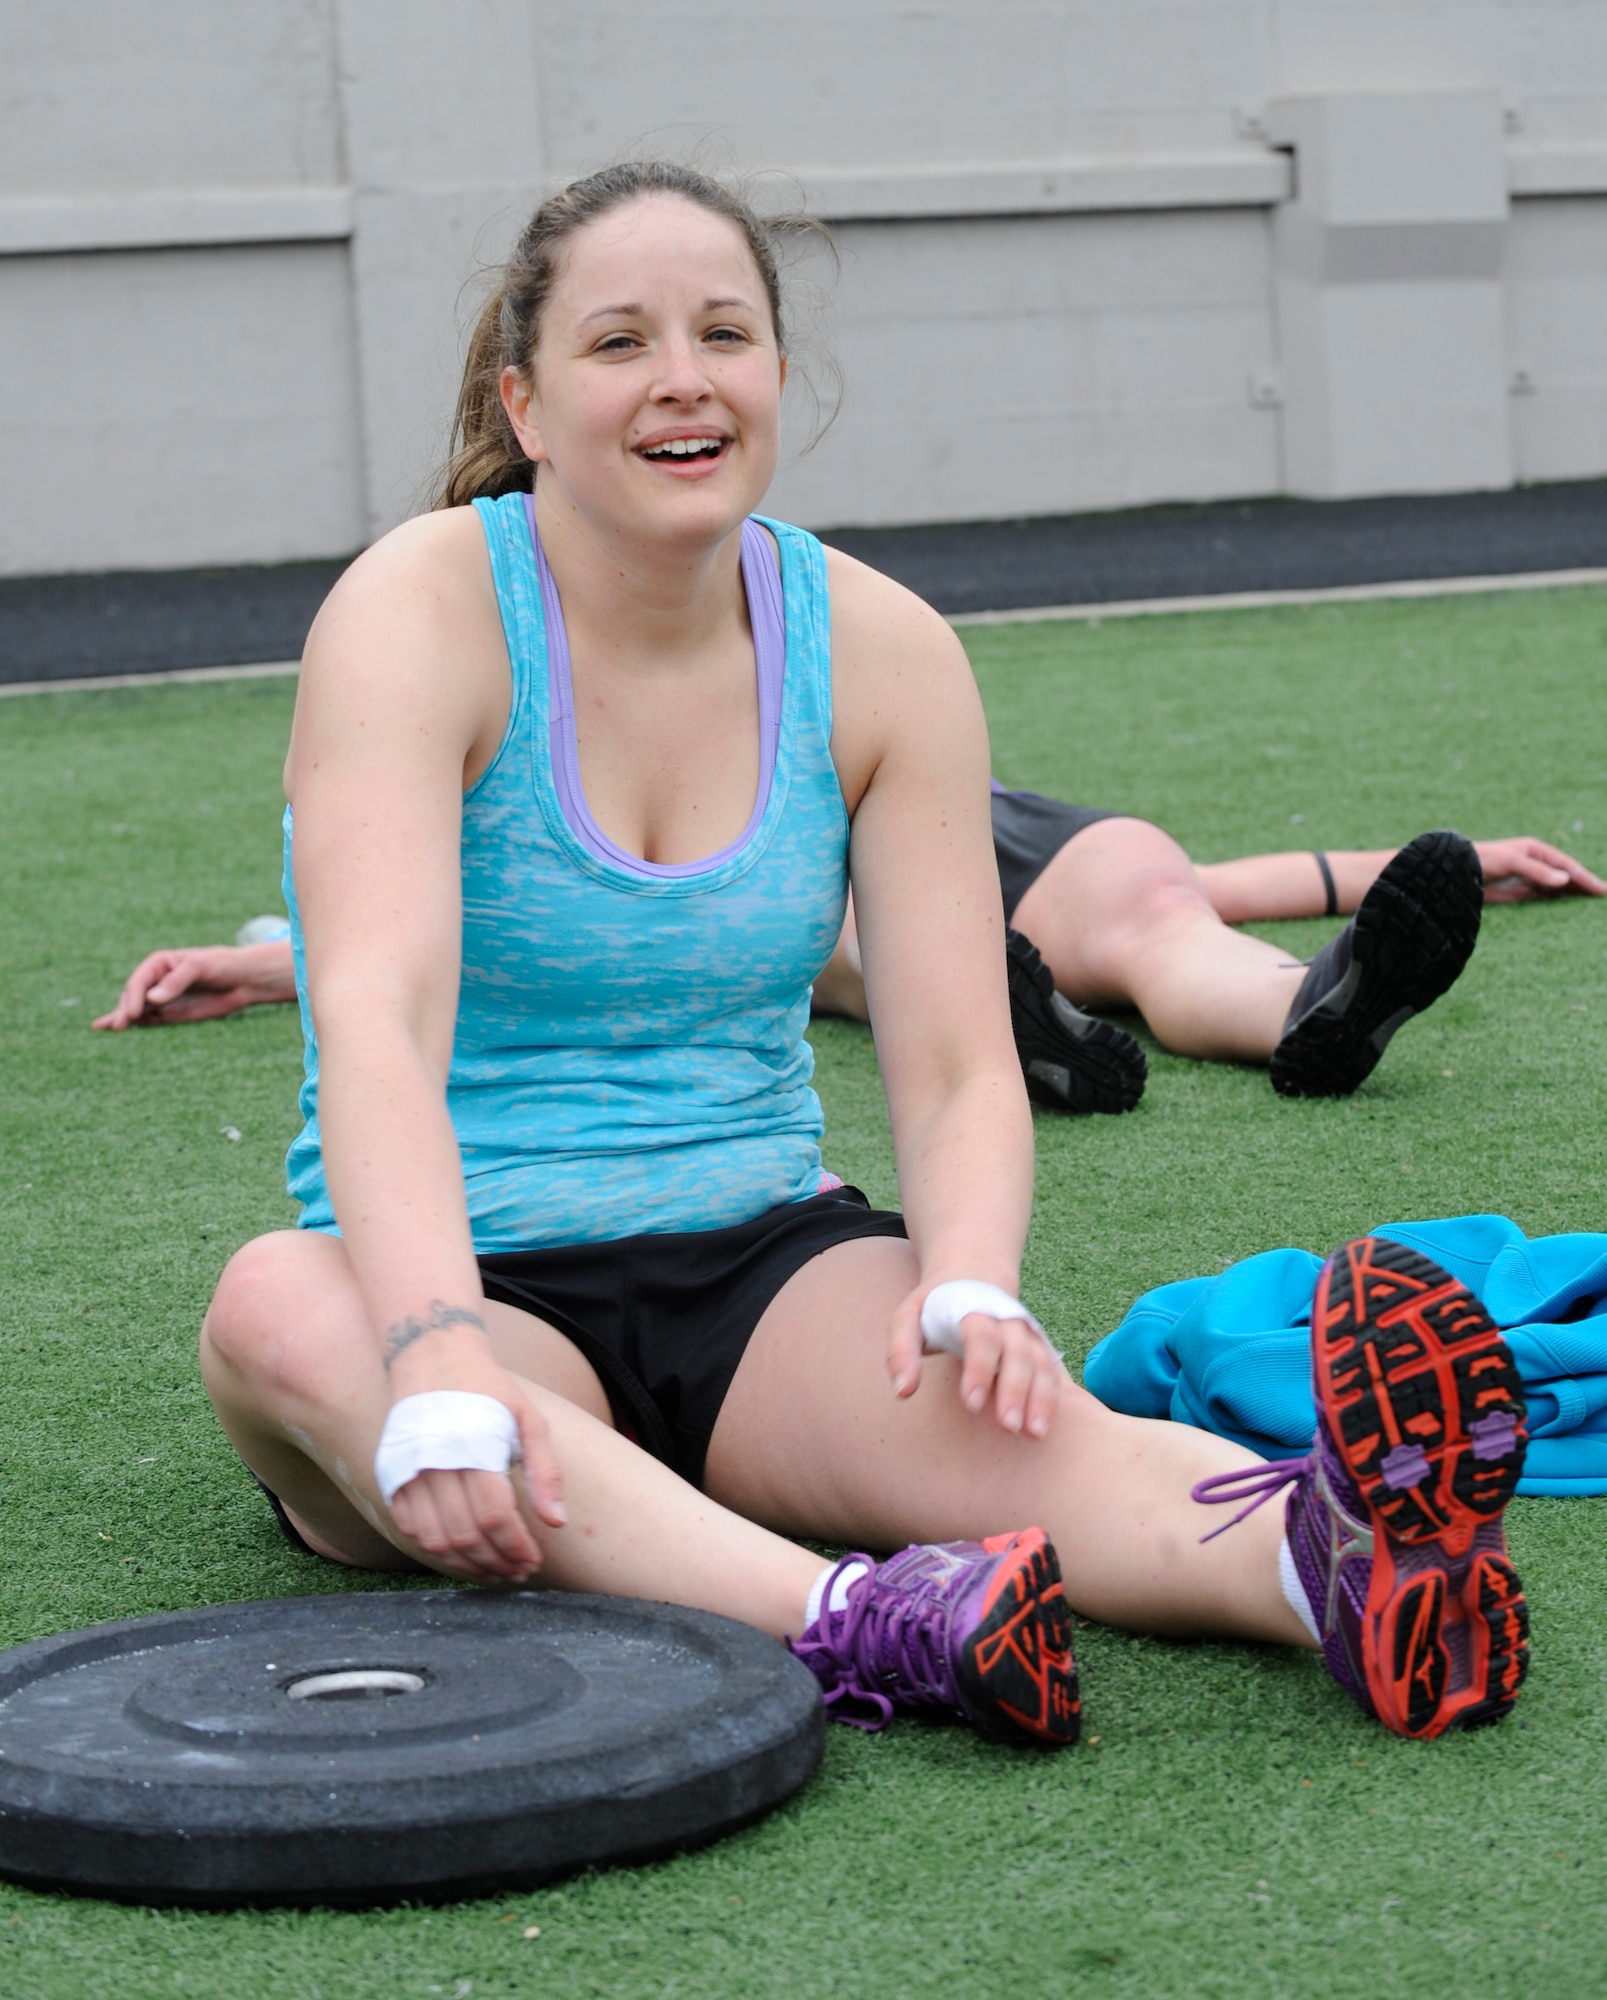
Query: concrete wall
{"x": 1095, "y": 252}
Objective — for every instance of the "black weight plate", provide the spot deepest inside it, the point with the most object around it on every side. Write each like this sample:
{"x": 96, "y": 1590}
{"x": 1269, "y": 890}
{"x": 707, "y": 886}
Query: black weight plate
{"x": 490, "y": 1739}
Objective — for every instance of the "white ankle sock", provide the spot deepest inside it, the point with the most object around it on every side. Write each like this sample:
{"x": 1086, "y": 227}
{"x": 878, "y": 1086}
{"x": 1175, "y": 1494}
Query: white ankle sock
{"x": 1294, "y": 1591}
{"x": 850, "y": 1573}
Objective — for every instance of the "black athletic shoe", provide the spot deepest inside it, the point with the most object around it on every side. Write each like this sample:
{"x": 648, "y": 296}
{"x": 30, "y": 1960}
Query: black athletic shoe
{"x": 1411, "y": 937}
{"x": 1071, "y": 1061}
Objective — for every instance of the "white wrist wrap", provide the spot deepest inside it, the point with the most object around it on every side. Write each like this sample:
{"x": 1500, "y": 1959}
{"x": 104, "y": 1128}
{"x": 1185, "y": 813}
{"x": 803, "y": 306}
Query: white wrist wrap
{"x": 444, "y": 1430}
{"x": 946, "y": 1305}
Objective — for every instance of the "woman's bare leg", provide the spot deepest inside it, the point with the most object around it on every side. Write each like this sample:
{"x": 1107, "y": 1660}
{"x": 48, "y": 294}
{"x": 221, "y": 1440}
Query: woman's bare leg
{"x": 294, "y": 1372}
{"x": 1163, "y": 905}
{"x": 1121, "y": 917}
{"x": 812, "y": 1441}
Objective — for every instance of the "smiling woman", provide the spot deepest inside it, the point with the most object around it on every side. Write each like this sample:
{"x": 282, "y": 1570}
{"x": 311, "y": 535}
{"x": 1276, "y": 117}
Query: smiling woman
{"x": 582, "y": 765}
{"x": 489, "y": 457}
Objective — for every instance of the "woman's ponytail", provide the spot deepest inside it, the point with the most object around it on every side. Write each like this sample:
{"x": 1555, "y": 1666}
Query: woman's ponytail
{"x": 486, "y": 459}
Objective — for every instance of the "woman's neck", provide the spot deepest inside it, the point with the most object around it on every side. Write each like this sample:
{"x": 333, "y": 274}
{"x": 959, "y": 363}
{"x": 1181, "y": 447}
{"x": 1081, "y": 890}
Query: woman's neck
{"x": 649, "y": 605}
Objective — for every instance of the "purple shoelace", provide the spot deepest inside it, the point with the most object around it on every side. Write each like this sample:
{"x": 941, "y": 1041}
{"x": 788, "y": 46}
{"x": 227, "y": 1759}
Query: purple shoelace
{"x": 885, "y": 1639}
{"x": 1255, "y": 1484}
{"x": 1407, "y": 1465}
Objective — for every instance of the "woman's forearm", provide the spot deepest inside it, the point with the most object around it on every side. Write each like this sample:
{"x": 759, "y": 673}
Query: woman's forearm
{"x": 965, "y": 1170}
{"x": 965, "y": 1179}
{"x": 1263, "y": 888}
{"x": 396, "y": 1184}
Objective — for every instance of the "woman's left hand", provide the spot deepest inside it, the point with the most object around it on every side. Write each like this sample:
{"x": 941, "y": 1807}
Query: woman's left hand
{"x": 1524, "y": 870}
{"x": 1007, "y": 1362}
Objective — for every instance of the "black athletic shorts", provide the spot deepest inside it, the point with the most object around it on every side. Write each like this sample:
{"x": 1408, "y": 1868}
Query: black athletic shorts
{"x": 665, "y": 1320}
{"x": 1028, "y": 832}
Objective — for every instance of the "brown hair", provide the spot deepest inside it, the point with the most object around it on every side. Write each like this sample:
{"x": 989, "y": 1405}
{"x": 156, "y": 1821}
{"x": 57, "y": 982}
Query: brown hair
{"x": 486, "y": 459}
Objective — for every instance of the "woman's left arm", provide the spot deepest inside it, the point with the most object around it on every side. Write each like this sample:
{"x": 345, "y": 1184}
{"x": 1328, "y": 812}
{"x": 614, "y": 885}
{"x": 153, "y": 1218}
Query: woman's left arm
{"x": 1261, "y": 888}
{"x": 911, "y": 749}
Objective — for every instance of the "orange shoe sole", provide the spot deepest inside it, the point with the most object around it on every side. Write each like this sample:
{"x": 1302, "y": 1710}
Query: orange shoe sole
{"x": 1017, "y": 1669}
{"x": 1421, "y": 1396}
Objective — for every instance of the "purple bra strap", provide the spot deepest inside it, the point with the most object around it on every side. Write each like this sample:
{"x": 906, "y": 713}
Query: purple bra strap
{"x": 766, "y": 615}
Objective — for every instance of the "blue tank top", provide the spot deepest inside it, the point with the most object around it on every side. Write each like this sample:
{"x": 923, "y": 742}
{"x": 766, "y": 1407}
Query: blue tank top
{"x": 629, "y": 1053}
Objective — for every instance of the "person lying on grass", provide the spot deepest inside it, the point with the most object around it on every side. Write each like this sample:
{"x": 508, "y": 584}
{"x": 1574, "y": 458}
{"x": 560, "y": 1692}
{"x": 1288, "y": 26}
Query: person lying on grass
{"x": 1104, "y": 910}
{"x": 578, "y": 780}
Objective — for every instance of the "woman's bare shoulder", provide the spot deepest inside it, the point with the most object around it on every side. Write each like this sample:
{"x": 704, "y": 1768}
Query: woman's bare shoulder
{"x": 899, "y": 675}
{"x": 887, "y": 644}
{"x": 412, "y": 630}
{"x": 423, "y": 588}
{"x": 866, "y": 605}
{"x": 422, "y": 558}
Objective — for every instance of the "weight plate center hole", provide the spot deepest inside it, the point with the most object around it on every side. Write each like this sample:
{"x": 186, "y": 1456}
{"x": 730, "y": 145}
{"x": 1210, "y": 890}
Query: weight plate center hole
{"x": 355, "y": 1684}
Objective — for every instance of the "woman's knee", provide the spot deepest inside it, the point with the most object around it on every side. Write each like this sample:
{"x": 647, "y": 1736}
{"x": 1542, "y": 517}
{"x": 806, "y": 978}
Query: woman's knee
{"x": 1160, "y": 906}
{"x": 266, "y": 1295}
{"x": 1164, "y": 894}
{"x": 1104, "y": 899}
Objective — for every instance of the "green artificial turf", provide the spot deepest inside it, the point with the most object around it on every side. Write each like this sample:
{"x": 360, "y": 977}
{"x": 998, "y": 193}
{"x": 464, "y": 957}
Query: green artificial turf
{"x": 1231, "y": 1826}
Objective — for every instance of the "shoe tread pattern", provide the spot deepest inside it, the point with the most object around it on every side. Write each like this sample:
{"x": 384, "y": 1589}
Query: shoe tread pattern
{"x": 1414, "y": 932}
{"x": 1413, "y": 1360}
{"x": 1071, "y": 1061}
{"x": 1408, "y": 1362}
{"x": 1018, "y": 1670}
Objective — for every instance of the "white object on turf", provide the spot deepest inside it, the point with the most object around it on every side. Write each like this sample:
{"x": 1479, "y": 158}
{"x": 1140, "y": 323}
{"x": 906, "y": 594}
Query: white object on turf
{"x": 263, "y": 930}
{"x": 947, "y": 1305}
{"x": 444, "y": 1430}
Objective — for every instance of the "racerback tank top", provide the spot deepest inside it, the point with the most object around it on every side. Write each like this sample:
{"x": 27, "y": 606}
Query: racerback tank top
{"x": 629, "y": 1053}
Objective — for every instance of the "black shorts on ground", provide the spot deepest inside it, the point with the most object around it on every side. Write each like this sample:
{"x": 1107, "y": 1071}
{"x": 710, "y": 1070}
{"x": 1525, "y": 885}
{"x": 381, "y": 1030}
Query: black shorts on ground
{"x": 1028, "y": 832}
{"x": 665, "y": 1320}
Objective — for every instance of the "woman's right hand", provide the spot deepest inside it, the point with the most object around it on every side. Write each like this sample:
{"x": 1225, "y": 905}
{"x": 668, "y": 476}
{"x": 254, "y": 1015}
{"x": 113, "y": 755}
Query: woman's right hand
{"x": 484, "y": 1526}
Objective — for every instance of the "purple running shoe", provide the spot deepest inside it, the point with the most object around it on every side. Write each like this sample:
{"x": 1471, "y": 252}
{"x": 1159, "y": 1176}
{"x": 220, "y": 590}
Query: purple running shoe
{"x": 1395, "y": 1518}
{"x": 978, "y": 1629}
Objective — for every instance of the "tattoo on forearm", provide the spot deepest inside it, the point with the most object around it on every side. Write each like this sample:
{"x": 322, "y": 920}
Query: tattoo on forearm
{"x": 401, "y": 1336}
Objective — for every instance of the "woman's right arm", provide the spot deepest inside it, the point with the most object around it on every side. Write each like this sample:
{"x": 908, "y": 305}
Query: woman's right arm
{"x": 403, "y": 697}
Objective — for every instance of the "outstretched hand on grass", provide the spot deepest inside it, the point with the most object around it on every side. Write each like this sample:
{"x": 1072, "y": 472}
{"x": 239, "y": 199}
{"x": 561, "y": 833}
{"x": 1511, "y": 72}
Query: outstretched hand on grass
{"x": 202, "y": 983}
{"x": 1525, "y": 870}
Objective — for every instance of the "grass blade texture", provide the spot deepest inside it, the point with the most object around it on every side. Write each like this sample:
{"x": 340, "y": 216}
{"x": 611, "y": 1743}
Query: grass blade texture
{"x": 1230, "y": 1826}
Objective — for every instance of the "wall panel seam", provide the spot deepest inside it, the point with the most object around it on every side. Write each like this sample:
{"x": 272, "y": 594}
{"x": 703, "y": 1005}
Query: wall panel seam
{"x": 969, "y": 190}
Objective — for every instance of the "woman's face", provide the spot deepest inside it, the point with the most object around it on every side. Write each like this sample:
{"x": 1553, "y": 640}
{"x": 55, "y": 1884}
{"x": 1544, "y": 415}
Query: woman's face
{"x": 654, "y": 397}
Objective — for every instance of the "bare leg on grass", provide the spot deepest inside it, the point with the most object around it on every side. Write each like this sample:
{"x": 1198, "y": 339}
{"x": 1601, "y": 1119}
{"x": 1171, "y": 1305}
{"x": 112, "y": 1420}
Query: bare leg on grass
{"x": 1121, "y": 918}
{"x": 812, "y": 1441}
{"x": 294, "y": 1372}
